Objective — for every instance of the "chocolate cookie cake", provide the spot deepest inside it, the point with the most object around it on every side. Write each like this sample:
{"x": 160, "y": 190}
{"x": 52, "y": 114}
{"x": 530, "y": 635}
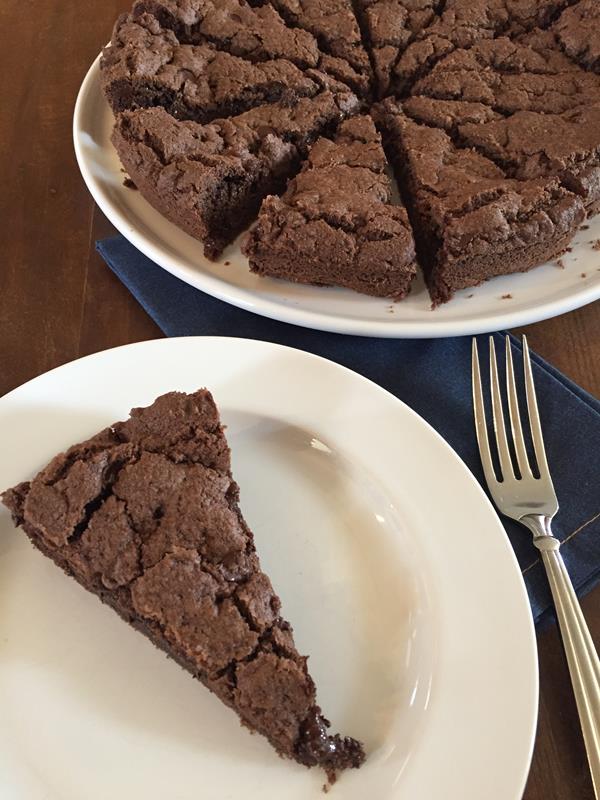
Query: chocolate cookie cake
{"x": 334, "y": 223}
{"x": 145, "y": 515}
{"x": 218, "y": 104}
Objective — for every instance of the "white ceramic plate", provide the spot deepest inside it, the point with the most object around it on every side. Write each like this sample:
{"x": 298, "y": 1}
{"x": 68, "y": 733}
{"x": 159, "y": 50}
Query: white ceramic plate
{"x": 501, "y": 303}
{"x": 391, "y": 564}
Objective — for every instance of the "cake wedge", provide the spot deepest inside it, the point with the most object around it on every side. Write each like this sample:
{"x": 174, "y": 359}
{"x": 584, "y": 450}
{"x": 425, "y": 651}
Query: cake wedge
{"x": 210, "y": 179}
{"x": 471, "y": 221}
{"x": 145, "y": 515}
{"x": 335, "y": 224}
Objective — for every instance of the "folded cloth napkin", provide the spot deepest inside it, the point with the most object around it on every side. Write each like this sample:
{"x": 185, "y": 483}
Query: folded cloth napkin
{"x": 434, "y": 378}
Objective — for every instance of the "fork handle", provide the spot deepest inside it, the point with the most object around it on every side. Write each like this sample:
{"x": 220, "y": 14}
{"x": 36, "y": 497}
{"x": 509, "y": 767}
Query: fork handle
{"x": 582, "y": 658}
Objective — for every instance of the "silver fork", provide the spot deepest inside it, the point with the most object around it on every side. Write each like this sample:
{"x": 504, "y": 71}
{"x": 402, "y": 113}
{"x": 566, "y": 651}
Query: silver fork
{"x": 532, "y": 502}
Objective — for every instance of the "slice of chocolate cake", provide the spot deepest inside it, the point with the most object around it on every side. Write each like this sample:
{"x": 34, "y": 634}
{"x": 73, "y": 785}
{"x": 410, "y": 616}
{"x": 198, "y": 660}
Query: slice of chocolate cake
{"x": 508, "y": 76}
{"x": 211, "y": 179}
{"x": 531, "y": 145}
{"x": 335, "y": 224}
{"x": 334, "y": 25}
{"x": 145, "y": 515}
{"x": 471, "y": 222}
{"x": 146, "y": 66}
{"x": 578, "y": 31}
{"x": 464, "y": 23}
{"x": 259, "y": 33}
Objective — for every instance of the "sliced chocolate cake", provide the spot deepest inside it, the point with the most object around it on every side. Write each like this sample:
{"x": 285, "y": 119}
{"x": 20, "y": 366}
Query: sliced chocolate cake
{"x": 471, "y": 222}
{"x": 146, "y": 66}
{"x": 503, "y": 95}
{"x": 210, "y": 179}
{"x": 335, "y": 224}
{"x": 145, "y": 515}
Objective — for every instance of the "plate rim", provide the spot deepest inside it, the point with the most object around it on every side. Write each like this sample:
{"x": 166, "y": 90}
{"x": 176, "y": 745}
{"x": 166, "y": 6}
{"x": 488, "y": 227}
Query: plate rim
{"x": 530, "y": 715}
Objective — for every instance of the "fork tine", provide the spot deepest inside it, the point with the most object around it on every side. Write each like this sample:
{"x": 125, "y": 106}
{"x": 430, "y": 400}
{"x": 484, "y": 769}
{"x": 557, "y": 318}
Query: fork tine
{"x": 480, "y": 420}
{"x": 515, "y": 416}
{"x": 506, "y": 466}
{"x": 534, "y": 416}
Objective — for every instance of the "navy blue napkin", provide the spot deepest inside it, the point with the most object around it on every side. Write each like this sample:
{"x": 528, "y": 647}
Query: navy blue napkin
{"x": 433, "y": 377}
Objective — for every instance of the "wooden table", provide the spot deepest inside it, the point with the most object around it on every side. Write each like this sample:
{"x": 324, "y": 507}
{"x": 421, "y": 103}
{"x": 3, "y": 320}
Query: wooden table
{"x": 58, "y": 300}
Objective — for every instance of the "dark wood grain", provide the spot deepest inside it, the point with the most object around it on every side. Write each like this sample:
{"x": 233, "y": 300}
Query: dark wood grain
{"x": 58, "y": 300}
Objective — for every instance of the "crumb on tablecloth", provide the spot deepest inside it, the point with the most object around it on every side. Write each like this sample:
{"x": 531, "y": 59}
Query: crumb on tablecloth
{"x": 560, "y": 263}
{"x": 507, "y": 296}
{"x": 595, "y": 244}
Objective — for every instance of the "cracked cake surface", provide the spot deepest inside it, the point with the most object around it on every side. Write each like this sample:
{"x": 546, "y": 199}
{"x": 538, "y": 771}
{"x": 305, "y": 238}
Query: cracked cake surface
{"x": 335, "y": 27}
{"x": 259, "y": 32}
{"x": 145, "y": 515}
{"x": 210, "y": 179}
{"x": 515, "y": 82}
{"x": 578, "y": 31}
{"x": 146, "y": 66}
{"x": 335, "y": 222}
{"x": 472, "y": 221}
